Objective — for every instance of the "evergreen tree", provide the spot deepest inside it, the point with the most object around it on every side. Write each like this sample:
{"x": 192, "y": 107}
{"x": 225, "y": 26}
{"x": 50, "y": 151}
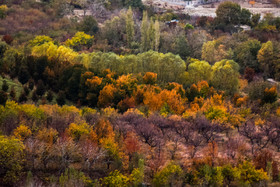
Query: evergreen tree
{"x": 60, "y": 98}
{"x": 40, "y": 88}
{"x": 130, "y": 32}
{"x": 5, "y": 86}
{"x": 34, "y": 96}
{"x": 13, "y": 93}
{"x": 3, "y": 97}
{"x": 22, "y": 98}
{"x": 50, "y": 96}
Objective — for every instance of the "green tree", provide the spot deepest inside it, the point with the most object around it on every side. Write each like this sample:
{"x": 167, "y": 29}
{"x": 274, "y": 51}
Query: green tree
{"x": 89, "y": 25}
{"x": 3, "y": 97}
{"x": 137, "y": 175}
{"x": 245, "y": 16}
{"x": 152, "y": 34}
{"x": 157, "y": 35}
{"x": 228, "y": 13}
{"x": 198, "y": 71}
{"x": 245, "y": 54}
{"x": 11, "y": 160}
{"x": 182, "y": 47}
{"x": 208, "y": 52}
{"x": 5, "y": 86}
{"x": 130, "y": 32}
{"x": 247, "y": 174}
{"x": 145, "y": 37}
{"x": 225, "y": 75}
{"x": 170, "y": 175}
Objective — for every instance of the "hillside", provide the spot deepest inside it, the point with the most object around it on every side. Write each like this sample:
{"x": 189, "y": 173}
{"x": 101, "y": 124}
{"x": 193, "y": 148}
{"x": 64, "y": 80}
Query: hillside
{"x": 117, "y": 93}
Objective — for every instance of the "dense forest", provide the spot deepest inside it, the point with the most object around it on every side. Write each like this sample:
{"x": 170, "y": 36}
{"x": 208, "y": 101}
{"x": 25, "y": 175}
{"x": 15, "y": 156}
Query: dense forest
{"x": 128, "y": 96}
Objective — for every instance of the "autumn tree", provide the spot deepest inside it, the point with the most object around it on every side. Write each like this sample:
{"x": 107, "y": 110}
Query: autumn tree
{"x": 266, "y": 58}
{"x": 11, "y": 159}
{"x": 80, "y": 40}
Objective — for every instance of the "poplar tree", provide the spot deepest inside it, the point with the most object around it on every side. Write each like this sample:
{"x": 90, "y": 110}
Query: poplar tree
{"x": 152, "y": 34}
{"x": 145, "y": 38}
{"x": 130, "y": 32}
{"x": 157, "y": 35}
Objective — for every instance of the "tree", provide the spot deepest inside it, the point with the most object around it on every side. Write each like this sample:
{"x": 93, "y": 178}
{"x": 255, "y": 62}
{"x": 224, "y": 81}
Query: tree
{"x": 150, "y": 78}
{"x": 40, "y": 88}
{"x": 107, "y": 95}
{"x": 225, "y": 76}
{"x": 78, "y": 131}
{"x": 266, "y": 58}
{"x": 89, "y": 25}
{"x": 3, "y": 97}
{"x": 23, "y": 75}
{"x": 34, "y": 96}
{"x": 229, "y": 13}
{"x": 130, "y": 32}
{"x": 50, "y": 96}
{"x": 170, "y": 175}
{"x": 22, "y": 132}
{"x": 182, "y": 47}
{"x": 152, "y": 34}
{"x": 249, "y": 175}
{"x": 245, "y": 17}
{"x": 5, "y": 86}
{"x": 39, "y": 40}
{"x": 199, "y": 71}
{"x": 8, "y": 39}
{"x": 80, "y": 40}
{"x": 134, "y": 4}
{"x": 157, "y": 35}
{"x": 3, "y": 11}
{"x": 209, "y": 51}
{"x": 245, "y": 54}
{"x": 60, "y": 98}
{"x": 115, "y": 179}
{"x": 11, "y": 159}
{"x": 145, "y": 38}
{"x": 22, "y": 97}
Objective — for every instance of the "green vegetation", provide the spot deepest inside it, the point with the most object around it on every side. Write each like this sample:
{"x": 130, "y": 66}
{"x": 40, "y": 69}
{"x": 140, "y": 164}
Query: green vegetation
{"x": 115, "y": 93}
